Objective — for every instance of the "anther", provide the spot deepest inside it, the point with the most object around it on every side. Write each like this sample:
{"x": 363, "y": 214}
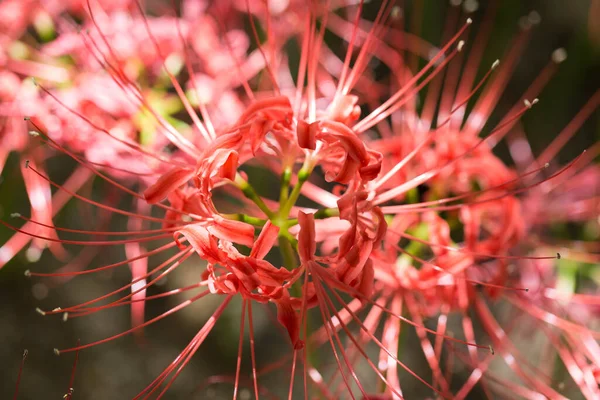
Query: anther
{"x": 460, "y": 45}
{"x": 492, "y": 350}
{"x": 34, "y": 133}
{"x": 469, "y": 21}
{"x": 531, "y": 103}
{"x": 534, "y": 18}
{"x": 27, "y": 273}
{"x": 26, "y": 118}
{"x": 495, "y": 64}
{"x": 396, "y": 13}
{"x": 15, "y": 215}
{"x": 40, "y": 311}
{"x": 25, "y": 352}
{"x": 470, "y": 6}
{"x": 57, "y": 352}
{"x": 558, "y": 256}
{"x": 559, "y": 55}
{"x": 65, "y": 317}
{"x": 547, "y": 165}
{"x": 26, "y": 163}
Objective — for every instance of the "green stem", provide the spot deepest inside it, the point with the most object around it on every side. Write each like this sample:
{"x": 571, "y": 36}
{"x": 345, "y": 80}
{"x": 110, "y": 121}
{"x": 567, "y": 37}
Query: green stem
{"x": 327, "y": 213}
{"x": 259, "y": 222}
{"x": 288, "y": 248}
{"x": 285, "y": 185}
{"x": 303, "y": 175}
{"x": 251, "y": 194}
{"x": 287, "y": 253}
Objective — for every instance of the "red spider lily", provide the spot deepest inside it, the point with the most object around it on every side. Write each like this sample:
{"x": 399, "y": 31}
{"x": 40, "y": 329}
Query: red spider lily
{"x": 67, "y": 396}
{"x": 359, "y": 249}
{"x": 90, "y": 115}
{"x": 494, "y": 222}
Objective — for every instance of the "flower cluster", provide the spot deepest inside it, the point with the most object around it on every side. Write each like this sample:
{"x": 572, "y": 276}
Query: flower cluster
{"x": 389, "y": 202}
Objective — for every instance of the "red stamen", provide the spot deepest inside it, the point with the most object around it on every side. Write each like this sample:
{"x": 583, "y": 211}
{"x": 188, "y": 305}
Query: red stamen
{"x": 16, "y": 395}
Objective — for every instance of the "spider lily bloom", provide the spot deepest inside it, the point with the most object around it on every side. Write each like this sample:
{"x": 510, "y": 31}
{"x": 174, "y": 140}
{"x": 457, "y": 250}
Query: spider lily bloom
{"x": 344, "y": 253}
{"x": 16, "y": 98}
{"x": 563, "y": 301}
{"x": 287, "y": 131}
{"x": 20, "y": 14}
{"x": 421, "y": 268}
{"x": 86, "y": 112}
{"x": 87, "y": 116}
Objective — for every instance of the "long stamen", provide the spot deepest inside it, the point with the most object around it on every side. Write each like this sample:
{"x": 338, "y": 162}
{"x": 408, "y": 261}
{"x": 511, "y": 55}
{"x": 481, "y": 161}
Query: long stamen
{"x": 94, "y": 270}
{"x": 390, "y": 194}
{"x": 486, "y": 102}
{"x": 244, "y": 80}
{"x": 133, "y": 146}
{"x": 87, "y": 165}
{"x": 83, "y": 306}
{"x": 186, "y": 104}
{"x": 262, "y": 51}
{"x": 350, "y": 336}
{"x": 398, "y": 167}
{"x": 350, "y": 50}
{"x": 465, "y": 250}
{"x": 378, "y": 343}
{"x": 167, "y": 313}
{"x": 252, "y": 353}
{"x": 186, "y": 355}
{"x": 408, "y": 93}
{"x": 171, "y": 133}
{"x": 328, "y": 326}
{"x": 568, "y": 132}
{"x": 87, "y": 242}
{"x": 59, "y": 199}
{"x": 503, "y": 185}
{"x": 16, "y": 395}
{"x": 97, "y": 204}
{"x": 455, "y": 274}
{"x": 71, "y": 390}
{"x": 558, "y": 56}
{"x": 393, "y": 99}
{"x": 100, "y": 233}
{"x": 508, "y": 193}
{"x": 325, "y": 275}
{"x": 192, "y": 74}
{"x": 428, "y": 351}
{"x": 239, "y": 355}
{"x": 362, "y": 59}
{"x": 138, "y": 285}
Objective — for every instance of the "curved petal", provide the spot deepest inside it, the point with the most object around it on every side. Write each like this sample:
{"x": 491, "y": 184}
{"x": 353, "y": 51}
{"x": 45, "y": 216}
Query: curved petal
{"x": 167, "y": 183}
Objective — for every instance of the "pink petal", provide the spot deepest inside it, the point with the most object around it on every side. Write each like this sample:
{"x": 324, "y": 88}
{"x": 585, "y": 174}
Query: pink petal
{"x": 265, "y": 241}
{"x": 166, "y": 184}
{"x": 306, "y": 238}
